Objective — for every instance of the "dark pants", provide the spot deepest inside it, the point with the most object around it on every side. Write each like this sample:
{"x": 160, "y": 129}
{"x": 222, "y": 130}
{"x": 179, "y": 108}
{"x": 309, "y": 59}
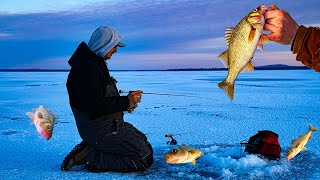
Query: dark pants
{"x": 126, "y": 150}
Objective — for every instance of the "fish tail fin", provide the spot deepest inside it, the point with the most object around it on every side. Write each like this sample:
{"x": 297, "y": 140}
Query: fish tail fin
{"x": 228, "y": 88}
{"x": 313, "y": 129}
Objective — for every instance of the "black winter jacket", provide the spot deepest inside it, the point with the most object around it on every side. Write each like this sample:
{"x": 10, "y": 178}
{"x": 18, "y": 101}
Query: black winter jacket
{"x": 98, "y": 111}
{"x": 87, "y": 82}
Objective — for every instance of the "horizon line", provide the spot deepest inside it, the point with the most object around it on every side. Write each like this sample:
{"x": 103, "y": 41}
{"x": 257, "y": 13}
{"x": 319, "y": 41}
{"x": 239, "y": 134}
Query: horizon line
{"x": 266, "y": 67}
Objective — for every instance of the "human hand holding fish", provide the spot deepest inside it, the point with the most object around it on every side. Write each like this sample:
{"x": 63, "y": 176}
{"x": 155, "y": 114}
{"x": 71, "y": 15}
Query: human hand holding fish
{"x": 43, "y": 119}
{"x": 242, "y": 42}
{"x": 281, "y": 25}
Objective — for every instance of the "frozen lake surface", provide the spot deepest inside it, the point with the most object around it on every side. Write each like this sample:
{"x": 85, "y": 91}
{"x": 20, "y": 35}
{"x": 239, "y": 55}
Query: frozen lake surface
{"x": 285, "y": 102}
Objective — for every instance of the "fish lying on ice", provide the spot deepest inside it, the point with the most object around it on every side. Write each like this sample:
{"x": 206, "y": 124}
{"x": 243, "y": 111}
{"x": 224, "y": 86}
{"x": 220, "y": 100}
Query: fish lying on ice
{"x": 43, "y": 119}
{"x": 299, "y": 144}
{"x": 183, "y": 154}
{"x": 242, "y": 41}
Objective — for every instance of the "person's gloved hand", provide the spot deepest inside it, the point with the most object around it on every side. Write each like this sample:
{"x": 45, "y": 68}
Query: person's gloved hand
{"x": 134, "y": 98}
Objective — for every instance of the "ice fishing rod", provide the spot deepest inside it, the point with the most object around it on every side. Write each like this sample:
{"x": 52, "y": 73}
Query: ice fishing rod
{"x": 173, "y": 141}
{"x": 165, "y": 94}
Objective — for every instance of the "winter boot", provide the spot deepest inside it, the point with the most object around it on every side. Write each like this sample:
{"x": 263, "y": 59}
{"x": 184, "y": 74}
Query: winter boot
{"x": 76, "y": 157}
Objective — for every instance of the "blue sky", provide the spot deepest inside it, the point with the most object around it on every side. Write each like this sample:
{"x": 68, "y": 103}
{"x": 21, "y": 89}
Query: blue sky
{"x": 159, "y": 34}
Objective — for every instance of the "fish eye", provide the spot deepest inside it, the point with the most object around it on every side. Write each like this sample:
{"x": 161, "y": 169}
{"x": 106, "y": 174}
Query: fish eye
{"x": 255, "y": 10}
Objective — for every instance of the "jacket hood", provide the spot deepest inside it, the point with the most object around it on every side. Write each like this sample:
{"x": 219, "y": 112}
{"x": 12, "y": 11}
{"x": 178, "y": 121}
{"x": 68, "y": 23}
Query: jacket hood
{"x": 83, "y": 55}
{"x": 103, "y": 40}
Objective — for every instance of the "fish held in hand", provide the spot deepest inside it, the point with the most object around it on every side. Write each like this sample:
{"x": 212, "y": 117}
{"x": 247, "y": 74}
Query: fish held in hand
{"x": 299, "y": 144}
{"x": 242, "y": 41}
{"x": 183, "y": 154}
{"x": 43, "y": 119}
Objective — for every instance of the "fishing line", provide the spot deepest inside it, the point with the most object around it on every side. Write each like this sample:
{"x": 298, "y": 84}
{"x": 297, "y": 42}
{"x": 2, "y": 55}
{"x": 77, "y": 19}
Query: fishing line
{"x": 165, "y": 94}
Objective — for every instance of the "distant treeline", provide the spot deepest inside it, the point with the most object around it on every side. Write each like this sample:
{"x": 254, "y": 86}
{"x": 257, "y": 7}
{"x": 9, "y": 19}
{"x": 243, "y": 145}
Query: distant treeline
{"x": 269, "y": 67}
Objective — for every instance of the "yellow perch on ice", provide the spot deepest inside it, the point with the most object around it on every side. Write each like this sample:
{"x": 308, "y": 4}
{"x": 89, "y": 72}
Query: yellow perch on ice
{"x": 183, "y": 154}
{"x": 299, "y": 144}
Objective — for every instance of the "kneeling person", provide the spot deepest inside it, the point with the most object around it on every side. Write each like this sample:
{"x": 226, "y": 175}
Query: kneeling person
{"x": 109, "y": 143}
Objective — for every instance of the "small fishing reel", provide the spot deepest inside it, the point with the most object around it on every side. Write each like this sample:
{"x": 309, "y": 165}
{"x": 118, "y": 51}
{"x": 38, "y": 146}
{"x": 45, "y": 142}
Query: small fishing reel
{"x": 172, "y": 141}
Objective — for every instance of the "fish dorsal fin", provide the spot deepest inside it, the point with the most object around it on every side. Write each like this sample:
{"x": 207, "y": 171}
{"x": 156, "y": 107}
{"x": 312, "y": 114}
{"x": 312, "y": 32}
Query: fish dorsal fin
{"x": 249, "y": 66}
{"x": 303, "y": 149}
{"x": 184, "y": 145}
{"x": 193, "y": 162}
{"x": 225, "y": 58}
{"x": 295, "y": 143}
{"x": 227, "y": 35}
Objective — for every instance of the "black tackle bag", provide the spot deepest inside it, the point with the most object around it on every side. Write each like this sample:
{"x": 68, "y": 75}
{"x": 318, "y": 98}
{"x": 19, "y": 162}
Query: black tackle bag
{"x": 264, "y": 143}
